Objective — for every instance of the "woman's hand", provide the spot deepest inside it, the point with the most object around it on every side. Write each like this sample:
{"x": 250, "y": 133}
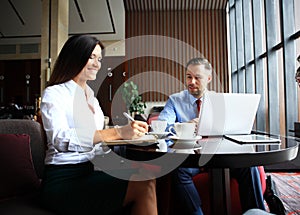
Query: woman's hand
{"x": 133, "y": 130}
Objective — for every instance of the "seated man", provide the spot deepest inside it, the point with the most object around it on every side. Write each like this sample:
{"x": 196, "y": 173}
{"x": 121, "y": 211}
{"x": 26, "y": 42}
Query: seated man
{"x": 182, "y": 107}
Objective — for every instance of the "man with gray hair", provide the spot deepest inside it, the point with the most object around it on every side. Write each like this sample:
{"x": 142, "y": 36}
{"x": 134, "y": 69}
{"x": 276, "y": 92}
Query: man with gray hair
{"x": 184, "y": 107}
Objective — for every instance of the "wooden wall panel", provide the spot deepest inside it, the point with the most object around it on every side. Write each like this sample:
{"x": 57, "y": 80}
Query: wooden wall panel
{"x": 164, "y": 40}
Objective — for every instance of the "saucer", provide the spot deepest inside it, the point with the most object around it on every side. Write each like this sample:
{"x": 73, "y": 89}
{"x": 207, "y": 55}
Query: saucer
{"x": 192, "y": 139}
{"x": 187, "y": 150}
{"x": 186, "y": 146}
{"x": 159, "y": 135}
{"x": 186, "y": 143}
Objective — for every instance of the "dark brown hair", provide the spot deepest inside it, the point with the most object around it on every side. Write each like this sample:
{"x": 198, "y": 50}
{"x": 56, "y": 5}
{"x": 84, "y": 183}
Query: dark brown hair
{"x": 73, "y": 57}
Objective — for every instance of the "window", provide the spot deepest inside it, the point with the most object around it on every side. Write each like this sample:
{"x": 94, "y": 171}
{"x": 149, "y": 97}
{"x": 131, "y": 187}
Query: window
{"x": 264, "y": 45}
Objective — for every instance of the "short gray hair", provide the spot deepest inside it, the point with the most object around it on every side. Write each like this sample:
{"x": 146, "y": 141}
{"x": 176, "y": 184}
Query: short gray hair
{"x": 199, "y": 61}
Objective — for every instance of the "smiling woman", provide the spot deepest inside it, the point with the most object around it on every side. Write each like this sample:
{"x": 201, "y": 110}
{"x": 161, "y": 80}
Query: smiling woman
{"x": 91, "y": 69}
{"x": 73, "y": 121}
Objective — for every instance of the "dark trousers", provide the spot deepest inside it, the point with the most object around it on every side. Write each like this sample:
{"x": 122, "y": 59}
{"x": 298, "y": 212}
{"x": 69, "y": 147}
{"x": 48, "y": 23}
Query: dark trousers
{"x": 188, "y": 198}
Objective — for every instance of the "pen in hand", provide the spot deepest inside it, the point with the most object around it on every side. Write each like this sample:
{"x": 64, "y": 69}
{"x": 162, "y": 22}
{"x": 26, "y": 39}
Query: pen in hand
{"x": 131, "y": 119}
{"x": 128, "y": 116}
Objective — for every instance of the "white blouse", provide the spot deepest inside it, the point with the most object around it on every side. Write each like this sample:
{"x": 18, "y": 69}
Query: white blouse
{"x": 70, "y": 117}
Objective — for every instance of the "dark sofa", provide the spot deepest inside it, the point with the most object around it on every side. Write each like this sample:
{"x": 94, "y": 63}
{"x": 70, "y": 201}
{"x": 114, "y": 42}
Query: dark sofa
{"x": 22, "y": 152}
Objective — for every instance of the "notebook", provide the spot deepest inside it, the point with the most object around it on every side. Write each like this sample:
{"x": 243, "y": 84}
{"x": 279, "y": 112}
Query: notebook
{"x": 143, "y": 141}
{"x": 227, "y": 113}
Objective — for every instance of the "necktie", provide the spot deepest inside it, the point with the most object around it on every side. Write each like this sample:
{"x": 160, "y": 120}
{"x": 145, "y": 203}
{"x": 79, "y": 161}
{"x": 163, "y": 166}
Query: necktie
{"x": 198, "y": 102}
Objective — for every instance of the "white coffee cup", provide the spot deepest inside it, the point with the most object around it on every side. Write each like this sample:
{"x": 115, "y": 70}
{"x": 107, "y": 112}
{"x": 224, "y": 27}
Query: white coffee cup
{"x": 158, "y": 126}
{"x": 106, "y": 122}
{"x": 183, "y": 130}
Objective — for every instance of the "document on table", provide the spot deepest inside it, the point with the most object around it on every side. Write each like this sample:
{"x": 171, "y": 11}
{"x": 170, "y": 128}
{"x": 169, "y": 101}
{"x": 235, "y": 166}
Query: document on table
{"x": 144, "y": 140}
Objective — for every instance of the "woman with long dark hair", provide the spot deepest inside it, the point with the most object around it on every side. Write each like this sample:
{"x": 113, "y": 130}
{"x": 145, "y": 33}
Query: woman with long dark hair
{"x": 73, "y": 121}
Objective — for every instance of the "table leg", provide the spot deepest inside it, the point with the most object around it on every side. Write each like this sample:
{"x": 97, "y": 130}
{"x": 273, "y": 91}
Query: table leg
{"x": 220, "y": 187}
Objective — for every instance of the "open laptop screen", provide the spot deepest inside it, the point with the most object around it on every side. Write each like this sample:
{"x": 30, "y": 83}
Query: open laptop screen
{"x": 227, "y": 113}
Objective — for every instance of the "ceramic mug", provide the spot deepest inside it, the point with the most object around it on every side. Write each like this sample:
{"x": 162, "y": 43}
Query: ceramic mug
{"x": 184, "y": 130}
{"x": 158, "y": 126}
{"x": 106, "y": 122}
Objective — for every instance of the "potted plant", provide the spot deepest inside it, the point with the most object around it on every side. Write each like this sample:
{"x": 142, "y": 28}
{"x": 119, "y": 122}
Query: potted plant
{"x": 132, "y": 99}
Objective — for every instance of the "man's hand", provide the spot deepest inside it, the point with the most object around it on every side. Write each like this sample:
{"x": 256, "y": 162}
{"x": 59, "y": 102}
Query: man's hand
{"x": 196, "y": 120}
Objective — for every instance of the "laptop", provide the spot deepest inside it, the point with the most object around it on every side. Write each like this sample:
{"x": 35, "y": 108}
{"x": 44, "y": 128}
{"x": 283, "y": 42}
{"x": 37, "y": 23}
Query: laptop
{"x": 231, "y": 115}
{"x": 227, "y": 113}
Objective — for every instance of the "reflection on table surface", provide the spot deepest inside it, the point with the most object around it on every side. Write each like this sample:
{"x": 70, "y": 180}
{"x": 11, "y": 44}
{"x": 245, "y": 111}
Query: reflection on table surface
{"x": 219, "y": 152}
{"x": 221, "y": 145}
